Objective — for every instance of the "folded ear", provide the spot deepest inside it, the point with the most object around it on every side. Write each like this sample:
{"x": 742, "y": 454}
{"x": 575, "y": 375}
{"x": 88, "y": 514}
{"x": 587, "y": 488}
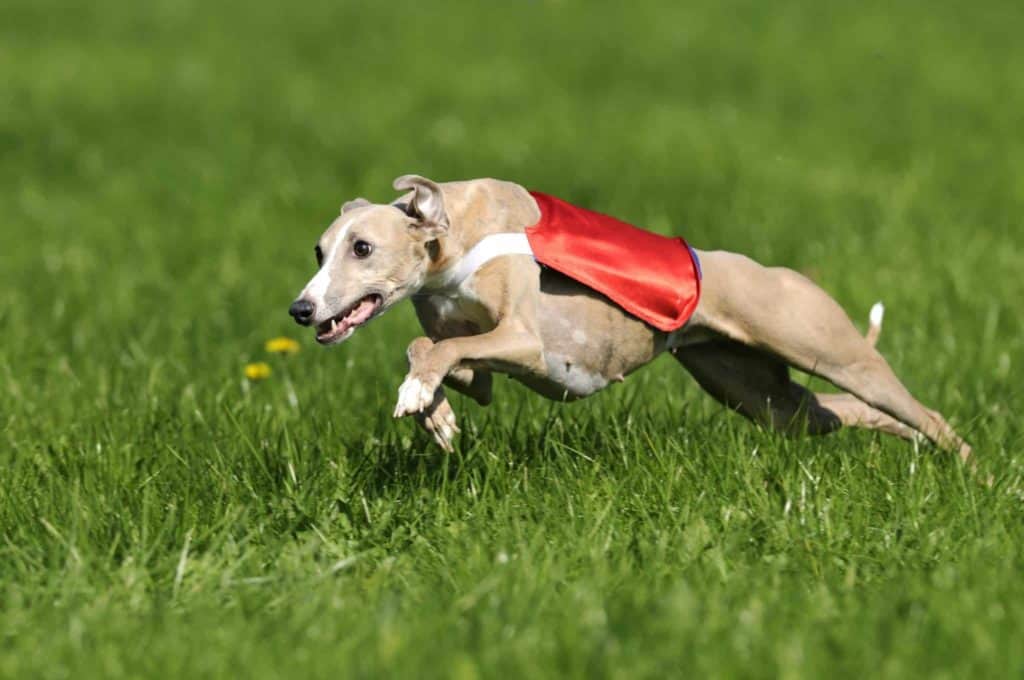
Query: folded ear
{"x": 426, "y": 204}
{"x": 353, "y": 204}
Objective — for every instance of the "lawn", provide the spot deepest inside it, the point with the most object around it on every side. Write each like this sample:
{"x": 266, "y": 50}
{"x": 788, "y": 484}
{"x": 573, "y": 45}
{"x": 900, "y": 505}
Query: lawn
{"x": 165, "y": 170}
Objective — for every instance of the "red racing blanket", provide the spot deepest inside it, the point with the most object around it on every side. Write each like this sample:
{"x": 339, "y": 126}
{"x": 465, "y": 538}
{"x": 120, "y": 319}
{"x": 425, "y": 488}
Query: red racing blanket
{"x": 653, "y": 277}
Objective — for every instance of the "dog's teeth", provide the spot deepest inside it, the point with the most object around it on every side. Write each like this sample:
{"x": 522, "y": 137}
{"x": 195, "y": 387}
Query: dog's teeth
{"x": 334, "y": 325}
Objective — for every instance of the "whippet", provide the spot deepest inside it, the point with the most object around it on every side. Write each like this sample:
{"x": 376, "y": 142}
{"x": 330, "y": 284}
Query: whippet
{"x": 457, "y": 249}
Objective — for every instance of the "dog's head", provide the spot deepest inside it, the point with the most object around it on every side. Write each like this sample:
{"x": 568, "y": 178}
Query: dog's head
{"x": 371, "y": 257}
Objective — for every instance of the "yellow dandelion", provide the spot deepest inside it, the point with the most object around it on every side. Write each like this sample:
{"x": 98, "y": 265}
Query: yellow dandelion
{"x": 257, "y": 371}
{"x": 281, "y": 346}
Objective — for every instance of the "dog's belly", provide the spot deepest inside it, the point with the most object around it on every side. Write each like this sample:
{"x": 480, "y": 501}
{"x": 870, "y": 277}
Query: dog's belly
{"x": 589, "y": 341}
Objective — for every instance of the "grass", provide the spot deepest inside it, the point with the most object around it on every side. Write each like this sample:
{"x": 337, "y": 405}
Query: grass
{"x": 165, "y": 169}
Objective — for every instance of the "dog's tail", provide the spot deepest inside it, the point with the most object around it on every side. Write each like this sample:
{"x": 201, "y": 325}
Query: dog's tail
{"x": 875, "y": 323}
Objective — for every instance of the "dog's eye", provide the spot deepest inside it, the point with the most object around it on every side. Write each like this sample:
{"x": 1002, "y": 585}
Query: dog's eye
{"x": 319, "y": 256}
{"x": 362, "y": 249}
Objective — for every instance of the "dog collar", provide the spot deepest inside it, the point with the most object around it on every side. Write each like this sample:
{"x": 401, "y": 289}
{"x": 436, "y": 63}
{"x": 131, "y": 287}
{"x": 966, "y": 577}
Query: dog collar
{"x": 486, "y": 249}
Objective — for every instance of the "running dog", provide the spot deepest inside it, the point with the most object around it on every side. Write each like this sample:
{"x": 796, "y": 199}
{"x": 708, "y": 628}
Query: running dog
{"x": 566, "y": 301}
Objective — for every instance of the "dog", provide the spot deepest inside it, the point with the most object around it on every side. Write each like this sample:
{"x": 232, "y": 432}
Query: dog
{"x": 459, "y": 251}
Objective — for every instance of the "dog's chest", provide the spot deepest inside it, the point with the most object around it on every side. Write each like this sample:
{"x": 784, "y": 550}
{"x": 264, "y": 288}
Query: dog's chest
{"x": 452, "y": 316}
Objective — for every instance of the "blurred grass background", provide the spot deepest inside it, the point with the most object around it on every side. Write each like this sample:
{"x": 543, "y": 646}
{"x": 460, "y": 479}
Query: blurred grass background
{"x": 165, "y": 169}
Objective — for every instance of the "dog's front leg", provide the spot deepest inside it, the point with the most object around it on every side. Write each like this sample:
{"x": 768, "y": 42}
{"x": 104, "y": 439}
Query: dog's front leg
{"x": 474, "y": 383}
{"x": 439, "y": 420}
{"x": 509, "y": 344}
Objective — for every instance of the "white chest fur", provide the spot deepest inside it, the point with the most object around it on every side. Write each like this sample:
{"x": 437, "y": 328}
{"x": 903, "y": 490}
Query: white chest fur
{"x": 458, "y": 313}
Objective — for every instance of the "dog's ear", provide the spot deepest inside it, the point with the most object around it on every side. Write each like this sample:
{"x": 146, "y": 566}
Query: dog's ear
{"x": 426, "y": 205}
{"x": 353, "y": 204}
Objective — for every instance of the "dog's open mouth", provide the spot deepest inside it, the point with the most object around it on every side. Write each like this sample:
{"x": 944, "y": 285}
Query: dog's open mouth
{"x": 341, "y": 326}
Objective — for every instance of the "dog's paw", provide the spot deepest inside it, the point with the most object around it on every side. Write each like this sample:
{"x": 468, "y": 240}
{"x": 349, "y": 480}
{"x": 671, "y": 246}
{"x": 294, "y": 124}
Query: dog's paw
{"x": 414, "y": 396}
{"x": 439, "y": 421}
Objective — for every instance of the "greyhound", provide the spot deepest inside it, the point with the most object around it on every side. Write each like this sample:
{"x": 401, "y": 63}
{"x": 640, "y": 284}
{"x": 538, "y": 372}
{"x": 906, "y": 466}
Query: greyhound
{"x": 457, "y": 250}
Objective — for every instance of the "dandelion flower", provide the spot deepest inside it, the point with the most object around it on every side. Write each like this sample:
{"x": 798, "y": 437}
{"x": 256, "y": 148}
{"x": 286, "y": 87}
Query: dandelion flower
{"x": 257, "y": 371}
{"x": 281, "y": 346}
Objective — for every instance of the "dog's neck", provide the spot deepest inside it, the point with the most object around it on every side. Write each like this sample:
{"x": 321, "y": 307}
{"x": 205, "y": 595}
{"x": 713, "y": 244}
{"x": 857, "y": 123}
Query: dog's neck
{"x": 478, "y": 233}
{"x": 443, "y": 252}
{"x": 449, "y": 277}
{"x": 455, "y": 264}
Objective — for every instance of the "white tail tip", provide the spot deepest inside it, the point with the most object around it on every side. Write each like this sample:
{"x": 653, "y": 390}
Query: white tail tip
{"x": 877, "y": 313}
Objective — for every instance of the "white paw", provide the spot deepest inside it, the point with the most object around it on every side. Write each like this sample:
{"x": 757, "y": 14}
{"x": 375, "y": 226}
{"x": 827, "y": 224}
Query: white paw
{"x": 413, "y": 397}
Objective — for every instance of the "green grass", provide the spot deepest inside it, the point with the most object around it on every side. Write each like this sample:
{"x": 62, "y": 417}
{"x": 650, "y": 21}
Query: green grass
{"x": 165, "y": 169}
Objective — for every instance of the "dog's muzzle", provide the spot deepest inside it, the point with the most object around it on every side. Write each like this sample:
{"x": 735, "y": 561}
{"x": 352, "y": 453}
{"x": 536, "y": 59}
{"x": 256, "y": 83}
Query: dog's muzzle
{"x": 340, "y": 326}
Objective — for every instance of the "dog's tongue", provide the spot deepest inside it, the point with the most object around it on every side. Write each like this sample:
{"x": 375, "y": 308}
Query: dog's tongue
{"x": 361, "y": 312}
{"x": 358, "y": 315}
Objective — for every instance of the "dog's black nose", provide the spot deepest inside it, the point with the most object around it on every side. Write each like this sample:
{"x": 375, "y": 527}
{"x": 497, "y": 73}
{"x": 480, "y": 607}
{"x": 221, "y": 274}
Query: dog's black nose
{"x": 302, "y": 311}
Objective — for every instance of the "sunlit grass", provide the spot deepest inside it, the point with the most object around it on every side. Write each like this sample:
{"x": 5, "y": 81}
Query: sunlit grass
{"x": 165, "y": 170}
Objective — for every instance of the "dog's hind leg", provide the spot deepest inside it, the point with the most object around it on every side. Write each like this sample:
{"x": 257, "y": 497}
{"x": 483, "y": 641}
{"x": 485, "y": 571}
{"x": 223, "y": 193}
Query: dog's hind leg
{"x": 784, "y": 314}
{"x": 758, "y": 386}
